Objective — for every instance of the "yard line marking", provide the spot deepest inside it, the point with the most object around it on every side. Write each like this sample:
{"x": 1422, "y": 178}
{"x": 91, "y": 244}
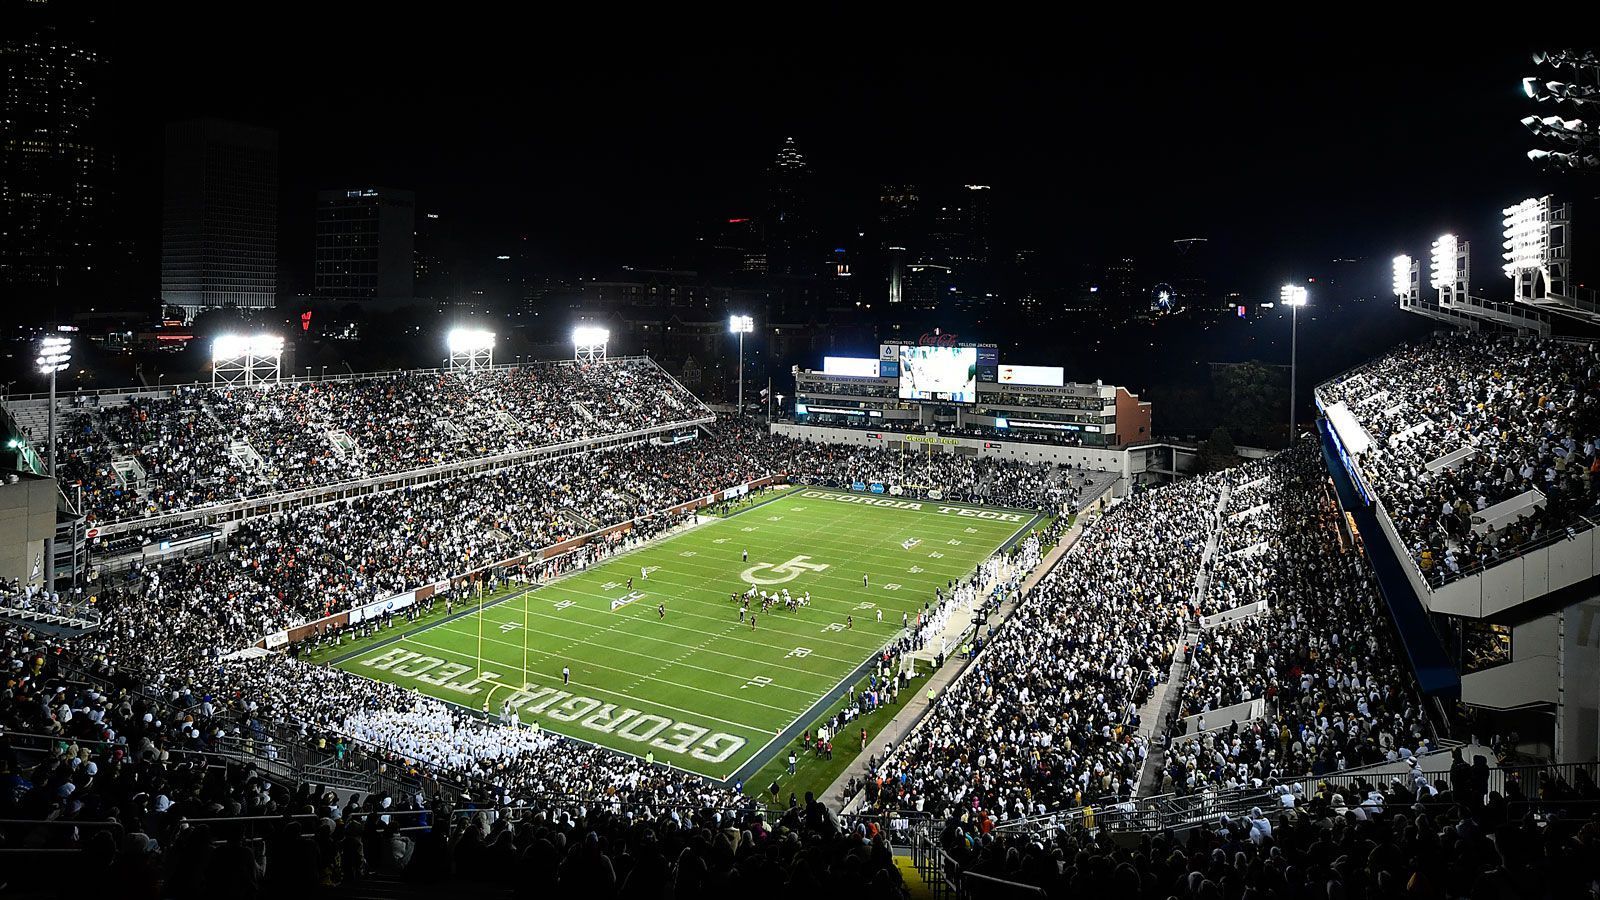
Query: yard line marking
{"x": 784, "y": 710}
{"x": 661, "y": 659}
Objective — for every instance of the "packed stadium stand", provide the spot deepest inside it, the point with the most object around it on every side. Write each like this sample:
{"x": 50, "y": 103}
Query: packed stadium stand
{"x": 1481, "y": 446}
{"x": 1202, "y": 692}
{"x": 138, "y": 455}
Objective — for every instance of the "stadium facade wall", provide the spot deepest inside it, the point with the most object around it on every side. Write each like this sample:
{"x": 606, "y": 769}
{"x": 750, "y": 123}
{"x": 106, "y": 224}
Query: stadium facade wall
{"x": 1128, "y": 463}
{"x": 27, "y": 520}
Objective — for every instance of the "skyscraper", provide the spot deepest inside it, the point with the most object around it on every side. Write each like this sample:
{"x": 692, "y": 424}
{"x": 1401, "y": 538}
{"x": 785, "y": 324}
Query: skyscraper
{"x": 55, "y": 166}
{"x": 1121, "y": 279}
{"x": 899, "y": 216}
{"x": 219, "y": 229}
{"x": 790, "y": 232}
{"x": 434, "y": 273}
{"x": 1191, "y": 269}
{"x": 365, "y": 241}
{"x": 960, "y": 229}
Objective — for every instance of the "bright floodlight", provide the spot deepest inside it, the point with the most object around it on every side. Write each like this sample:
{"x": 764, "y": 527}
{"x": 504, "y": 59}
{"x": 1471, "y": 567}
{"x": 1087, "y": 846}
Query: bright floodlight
{"x": 266, "y": 345}
{"x": 1292, "y": 295}
{"x": 1402, "y": 275}
{"x": 246, "y": 358}
{"x": 236, "y": 346}
{"x": 1526, "y": 234}
{"x": 55, "y": 354}
{"x": 470, "y": 340}
{"x": 590, "y": 335}
{"x": 1442, "y": 273}
{"x": 741, "y": 324}
{"x": 229, "y": 346}
{"x": 589, "y": 342}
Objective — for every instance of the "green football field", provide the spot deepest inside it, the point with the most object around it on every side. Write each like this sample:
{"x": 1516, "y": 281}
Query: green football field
{"x": 695, "y": 687}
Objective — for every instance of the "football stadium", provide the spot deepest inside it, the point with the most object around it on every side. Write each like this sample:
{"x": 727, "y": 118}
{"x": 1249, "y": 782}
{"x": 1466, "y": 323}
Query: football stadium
{"x": 672, "y": 658}
{"x": 705, "y": 522}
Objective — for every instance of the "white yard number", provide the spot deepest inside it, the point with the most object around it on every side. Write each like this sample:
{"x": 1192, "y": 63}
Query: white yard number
{"x": 610, "y": 585}
{"x": 954, "y": 542}
{"x": 564, "y": 604}
{"x": 748, "y": 528}
{"x": 796, "y": 508}
{"x": 687, "y": 553}
{"x": 774, "y": 518}
{"x": 787, "y": 571}
{"x": 892, "y": 586}
{"x": 866, "y": 604}
{"x": 936, "y": 555}
{"x": 836, "y": 626}
{"x": 720, "y": 541}
{"x": 760, "y": 681}
{"x": 915, "y": 570}
{"x": 509, "y": 627}
{"x": 971, "y": 530}
{"x": 798, "y": 653}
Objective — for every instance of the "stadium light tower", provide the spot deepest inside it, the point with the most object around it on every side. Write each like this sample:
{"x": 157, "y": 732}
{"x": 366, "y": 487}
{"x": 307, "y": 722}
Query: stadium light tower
{"x": 1576, "y": 141}
{"x": 1293, "y": 296}
{"x": 589, "y": 342}
{"x": 55, "y": 354}
{"x": 1403, "y": 282}
{"x": 246, "y": 359}
{"x": 470, "y": 348}
{"x": 1536, "y": 248}
{"x": 741, "y": 325}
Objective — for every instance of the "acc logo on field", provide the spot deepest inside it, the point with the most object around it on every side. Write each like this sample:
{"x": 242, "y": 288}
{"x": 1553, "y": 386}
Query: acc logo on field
{"x": 792, "y": 569}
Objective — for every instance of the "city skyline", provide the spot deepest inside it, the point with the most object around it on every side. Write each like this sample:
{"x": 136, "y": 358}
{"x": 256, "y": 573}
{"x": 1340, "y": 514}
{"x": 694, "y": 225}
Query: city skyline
{"x": 1090, "y": 157}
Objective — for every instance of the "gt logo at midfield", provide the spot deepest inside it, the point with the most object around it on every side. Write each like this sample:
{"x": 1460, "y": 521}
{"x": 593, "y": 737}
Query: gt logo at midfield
{"x": 790, "y": 570}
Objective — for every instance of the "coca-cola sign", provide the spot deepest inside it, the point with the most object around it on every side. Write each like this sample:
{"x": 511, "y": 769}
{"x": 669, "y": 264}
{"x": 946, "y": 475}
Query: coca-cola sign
{"x": 937, "y": 339}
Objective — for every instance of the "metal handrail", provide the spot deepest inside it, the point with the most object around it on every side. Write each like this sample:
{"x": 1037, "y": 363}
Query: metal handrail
{"x": 139, "y": 390}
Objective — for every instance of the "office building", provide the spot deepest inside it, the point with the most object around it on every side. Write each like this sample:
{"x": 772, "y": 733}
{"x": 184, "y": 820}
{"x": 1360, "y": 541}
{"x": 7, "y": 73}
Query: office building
{"x": 55, "y": 165}
{"x": 788, "y": 228}
{"x": 219, "y": 228}
{"x": 365, "y": 246}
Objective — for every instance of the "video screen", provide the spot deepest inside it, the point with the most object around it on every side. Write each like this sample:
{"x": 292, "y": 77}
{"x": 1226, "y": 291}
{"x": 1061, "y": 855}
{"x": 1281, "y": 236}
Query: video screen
{"x": 939, "y": 373}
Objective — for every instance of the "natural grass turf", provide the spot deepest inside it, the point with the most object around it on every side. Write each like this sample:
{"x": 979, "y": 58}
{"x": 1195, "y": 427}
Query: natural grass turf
{"x": 695, "y": 688}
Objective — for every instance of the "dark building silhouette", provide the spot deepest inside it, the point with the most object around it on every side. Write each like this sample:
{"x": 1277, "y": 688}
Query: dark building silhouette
{"x": 365, "y": 243}
{"x": 219, "y": 228}
{"x": 56, "y": 164}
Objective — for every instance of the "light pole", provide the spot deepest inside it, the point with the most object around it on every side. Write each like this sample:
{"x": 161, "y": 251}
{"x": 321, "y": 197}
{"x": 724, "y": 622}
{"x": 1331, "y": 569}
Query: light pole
{"x": 55, "y": 354}
{"x": 1294, "y": 297}
{"x": 741, "y": 325}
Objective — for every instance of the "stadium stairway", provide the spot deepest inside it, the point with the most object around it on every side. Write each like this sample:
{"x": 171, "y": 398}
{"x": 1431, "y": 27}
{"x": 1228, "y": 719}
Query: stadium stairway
{"x": 1163, "y": 703}
{"x": 905, "y": 721}
{"x": 915, "y": 886}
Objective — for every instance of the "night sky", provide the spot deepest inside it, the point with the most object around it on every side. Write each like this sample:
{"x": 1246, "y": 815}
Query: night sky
{"x": 606, "y": 148}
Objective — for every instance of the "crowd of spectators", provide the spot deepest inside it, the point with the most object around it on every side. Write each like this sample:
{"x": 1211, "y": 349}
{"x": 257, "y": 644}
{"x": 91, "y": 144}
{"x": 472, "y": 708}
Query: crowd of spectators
{"x": 1454, "y": 838}
{"x": 1336, "y": 692}
{"x": 1047, "y": 716}
{"x": 170, "y": 630}
{"x": 90, "y": 759}
{"x": 1525, "y": 410}
{"x": 199, "y": 445}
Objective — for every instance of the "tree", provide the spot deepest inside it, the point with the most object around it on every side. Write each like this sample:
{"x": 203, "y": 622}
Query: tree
{"x": 1252, "y": 401}
{"x": 1217, "y": 452}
